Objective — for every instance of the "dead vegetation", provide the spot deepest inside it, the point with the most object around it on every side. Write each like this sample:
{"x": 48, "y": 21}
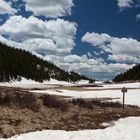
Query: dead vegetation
{"x": 22, "y": 112}
{"x": 20, "y": 100}
{"x": 94, "y": 103}
{"x": 54, "y": 102}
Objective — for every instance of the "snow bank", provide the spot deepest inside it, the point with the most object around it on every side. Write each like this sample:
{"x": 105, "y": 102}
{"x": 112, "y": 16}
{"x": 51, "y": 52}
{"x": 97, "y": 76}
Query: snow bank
{"x": 116, "y": 86}
{"x": 82, "y": 82}
{"x": 124, "y": 129}
{"x": 127, "y": 85}
{"x": 132, "y": 96}
{"x": 25, "y": 83}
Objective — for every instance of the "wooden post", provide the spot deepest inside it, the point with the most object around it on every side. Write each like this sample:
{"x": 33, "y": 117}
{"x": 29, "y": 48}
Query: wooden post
{"x": 124, "y": 90}
{"x": 123, "y": 99}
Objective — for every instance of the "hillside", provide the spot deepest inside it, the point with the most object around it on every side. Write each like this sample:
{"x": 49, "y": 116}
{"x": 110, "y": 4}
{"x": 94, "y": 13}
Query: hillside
{"x": 15, "y": 63}
{"x": 130, "y": 75}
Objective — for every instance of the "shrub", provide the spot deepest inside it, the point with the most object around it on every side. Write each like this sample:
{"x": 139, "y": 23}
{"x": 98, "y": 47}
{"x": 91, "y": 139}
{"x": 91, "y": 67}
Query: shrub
{"x": 20, "y": 100}
{"x": 111, "y": 104}
{"x": 90, "y": 104}
{"x": 7, "y": 131}
{"x": 54, "y": 102}
{"x": 75, "y": 117}
{"x": 83, "y": 103}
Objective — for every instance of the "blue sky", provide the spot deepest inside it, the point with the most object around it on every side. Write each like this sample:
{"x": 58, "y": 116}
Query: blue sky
{"x": 93, "y": 37}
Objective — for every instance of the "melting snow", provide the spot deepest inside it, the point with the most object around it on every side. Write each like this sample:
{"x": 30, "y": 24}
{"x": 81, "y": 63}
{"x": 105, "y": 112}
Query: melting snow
{"x": 123, "y": 129}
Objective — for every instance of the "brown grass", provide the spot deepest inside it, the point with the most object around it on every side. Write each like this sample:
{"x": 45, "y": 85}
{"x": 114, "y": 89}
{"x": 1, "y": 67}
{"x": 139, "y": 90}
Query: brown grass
{"x": 18, "y": 117}
{"x": 20, "y": 100}
{"x": 74, "y": 88}
{"x": 55, "y": 102}
{"x": 97, "y": 102}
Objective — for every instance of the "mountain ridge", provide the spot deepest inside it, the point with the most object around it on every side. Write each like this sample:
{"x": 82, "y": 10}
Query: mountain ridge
{"x": 16, "y": 63}
{"x": 132, "y": 74}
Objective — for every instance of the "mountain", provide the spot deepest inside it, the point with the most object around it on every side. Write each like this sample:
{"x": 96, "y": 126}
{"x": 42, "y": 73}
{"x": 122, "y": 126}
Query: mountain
{"x": 130, "y": 75}
{"x": 15, "y": 63}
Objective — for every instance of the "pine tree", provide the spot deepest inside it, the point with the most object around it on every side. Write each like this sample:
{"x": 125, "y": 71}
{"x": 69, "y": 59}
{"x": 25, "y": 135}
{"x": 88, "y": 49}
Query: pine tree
{"x": 16, "y": 63}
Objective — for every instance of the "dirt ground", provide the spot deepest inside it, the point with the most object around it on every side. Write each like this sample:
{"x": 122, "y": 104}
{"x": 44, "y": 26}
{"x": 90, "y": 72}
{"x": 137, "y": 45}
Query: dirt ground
{"x": 15, "y": 119}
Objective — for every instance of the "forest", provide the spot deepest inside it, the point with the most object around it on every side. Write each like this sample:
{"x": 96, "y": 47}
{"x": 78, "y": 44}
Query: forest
{"x": 130, "y": 75}
{"x": 17, "y": 63}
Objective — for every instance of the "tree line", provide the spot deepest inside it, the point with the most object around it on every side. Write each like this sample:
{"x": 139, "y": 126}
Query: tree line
{"x": 17, "y": 63}
{"x": 130, "y": 75}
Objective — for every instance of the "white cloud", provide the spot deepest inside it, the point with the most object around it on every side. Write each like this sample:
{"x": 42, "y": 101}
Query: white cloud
{"x": 49, "y": 8}
{"x": 56, "y": 36}
{"x": 15, "y": 0}
{"x": 138, "y": 17}
{"x": 5, "y": 8}
{"x": 95, "y": 68}
{"x": 96, "y": 39}
{"x": 120, "y": 49}
{"x": 54, "y": 41}
{"x": 122, "y": 4}
{"x": 125, "y": 4}
{"x": 124, "y": 58}
{"x": 89, "y": 54}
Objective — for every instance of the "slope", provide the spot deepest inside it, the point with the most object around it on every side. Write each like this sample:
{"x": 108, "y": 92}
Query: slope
{"x": 130, "y": 75}
{"x": 15, "y": 63}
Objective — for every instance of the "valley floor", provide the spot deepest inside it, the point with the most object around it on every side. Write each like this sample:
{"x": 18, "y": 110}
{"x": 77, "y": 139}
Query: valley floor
{"x": 123, "y": 129}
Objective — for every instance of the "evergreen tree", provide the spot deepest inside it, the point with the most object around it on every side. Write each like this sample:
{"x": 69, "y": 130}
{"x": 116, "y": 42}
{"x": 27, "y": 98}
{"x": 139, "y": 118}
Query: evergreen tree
{"x": 130, "y": 75}
{"x": 16, "y": 63}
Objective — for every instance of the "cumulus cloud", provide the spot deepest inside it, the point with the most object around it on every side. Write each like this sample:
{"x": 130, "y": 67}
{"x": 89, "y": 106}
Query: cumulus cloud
{"x": 96, "y": 67}
{"x": 124, "y": 58}
{"x": 5, "y": 8}
{"x": 120, "y": 49}
{"x": 15, "y": 0}
{"x": 53, "y": 35}
{"x": 49, "y": 8}
{"x": 96, "y": 39}
{"x": 125, "y": 4}
{"x": 54, "y": 40}
{"x": 122, "y": 4}
{"x": 138, "y": 17}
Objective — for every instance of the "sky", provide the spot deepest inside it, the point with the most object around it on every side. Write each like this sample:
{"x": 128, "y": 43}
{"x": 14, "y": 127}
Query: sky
{"x": 96, "y": 38}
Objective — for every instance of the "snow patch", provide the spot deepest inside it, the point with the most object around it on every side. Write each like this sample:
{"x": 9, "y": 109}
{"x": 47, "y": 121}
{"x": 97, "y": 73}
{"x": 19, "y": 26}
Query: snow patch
{"x": 28, "y": 83}
{"x": 124, "y": 129}
{"x": 127, "y": 85}
{"x": 132, "y": 96}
